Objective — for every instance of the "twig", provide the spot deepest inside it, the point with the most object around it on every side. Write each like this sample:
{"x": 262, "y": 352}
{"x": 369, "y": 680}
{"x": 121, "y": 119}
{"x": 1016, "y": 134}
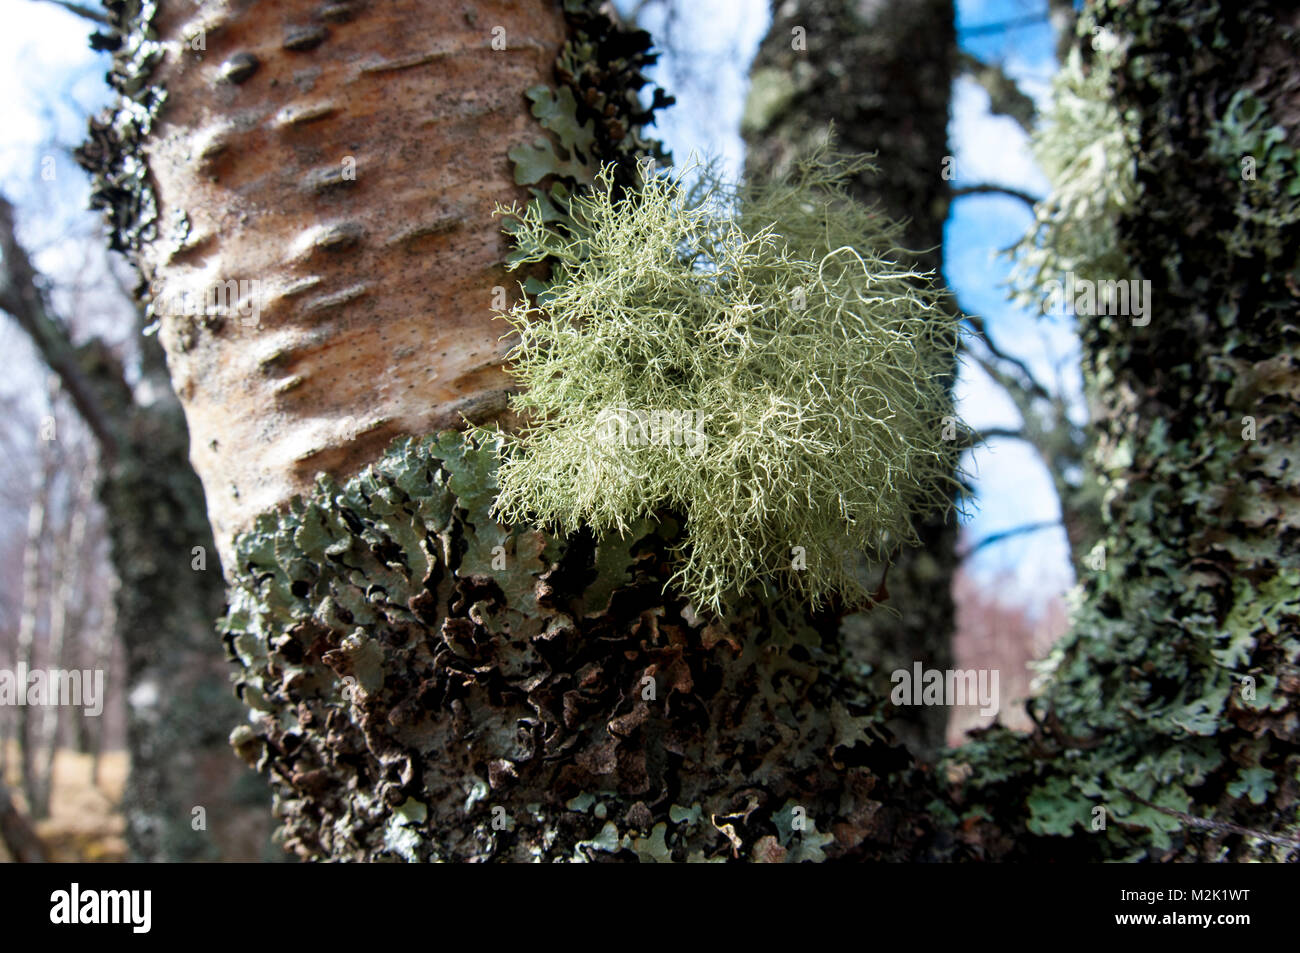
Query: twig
{"x": 990, "y": 189}
{"x": 1205, "y": 823}
{"x": 94, "y": 16}
{"x": 22, "y": 297}
{"x": 1007, "y": 534}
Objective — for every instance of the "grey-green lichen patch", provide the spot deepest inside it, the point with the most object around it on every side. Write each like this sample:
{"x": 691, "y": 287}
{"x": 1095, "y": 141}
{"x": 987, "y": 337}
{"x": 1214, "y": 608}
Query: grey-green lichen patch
{"x": 593, "y": 119}
{"x": 414, "y": 699}
{"x": 770, "y": 92}
{"x": 1263, "y": 167}
{"x": 759, "y": 359}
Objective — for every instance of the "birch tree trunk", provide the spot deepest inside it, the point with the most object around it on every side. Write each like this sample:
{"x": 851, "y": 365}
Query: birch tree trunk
{"x": 35, "y": 599}
{"x": 65, "y": 572}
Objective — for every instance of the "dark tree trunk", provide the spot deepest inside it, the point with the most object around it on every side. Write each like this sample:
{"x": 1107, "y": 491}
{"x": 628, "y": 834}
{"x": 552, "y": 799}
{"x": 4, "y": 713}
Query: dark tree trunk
{"x": 882, "y": 73}
{"x": 17, "y": 833}
{"x": 179, "y": 711}
{"x": 1175, "y": 699}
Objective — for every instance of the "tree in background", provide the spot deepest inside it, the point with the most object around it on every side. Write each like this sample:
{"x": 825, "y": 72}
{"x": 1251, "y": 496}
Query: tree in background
{"x": 1168, "y": 728}
{"x": 881, "y": 75}
{"x": 180, "y": 711}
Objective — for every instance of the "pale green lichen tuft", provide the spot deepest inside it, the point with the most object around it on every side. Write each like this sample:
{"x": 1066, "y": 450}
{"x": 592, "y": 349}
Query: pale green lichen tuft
{"x": 760, "y": 359}
{"x": 1086, "y": 150}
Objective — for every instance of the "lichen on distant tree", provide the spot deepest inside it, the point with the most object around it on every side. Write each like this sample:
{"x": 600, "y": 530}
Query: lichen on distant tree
{"x": 1086, "y": 148}
{"x": 760, "y": 359}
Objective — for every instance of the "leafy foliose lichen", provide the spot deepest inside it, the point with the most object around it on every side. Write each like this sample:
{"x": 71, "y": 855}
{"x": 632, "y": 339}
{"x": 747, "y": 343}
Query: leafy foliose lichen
{"x": 594, "y": 117}
{"x": 426, "y": 684}
{"x": 1265, "y": 169}
{"x": 1167, "y": 726}
{"x": 760, "y": 359}
{"x": 113, "y": 153}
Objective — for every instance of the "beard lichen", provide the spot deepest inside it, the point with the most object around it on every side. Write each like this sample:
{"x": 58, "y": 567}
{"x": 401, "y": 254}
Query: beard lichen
{"x": 1087, "y": 150}
{"x": 758, "y": 359}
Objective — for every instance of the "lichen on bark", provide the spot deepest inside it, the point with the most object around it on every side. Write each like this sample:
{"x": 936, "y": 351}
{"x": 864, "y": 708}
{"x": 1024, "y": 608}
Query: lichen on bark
{"x": 418, "y": 671}
{"x": 1174, "y": 704}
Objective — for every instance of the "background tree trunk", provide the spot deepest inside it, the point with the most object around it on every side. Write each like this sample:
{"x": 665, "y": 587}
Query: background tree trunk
{"x": 179, "y": 711}
{"x": 1174, "y": 703}
{"x": 20, "y": 840}
{"x": 882, "y": 73}
{"x": 35, "y": 596}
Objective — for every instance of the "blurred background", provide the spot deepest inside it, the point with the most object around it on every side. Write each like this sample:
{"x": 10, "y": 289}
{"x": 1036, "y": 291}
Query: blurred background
{"x": 66, "y": 551}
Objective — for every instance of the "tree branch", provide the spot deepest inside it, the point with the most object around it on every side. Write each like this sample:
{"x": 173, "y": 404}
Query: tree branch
{"x": 990, "y": 189}
{"x": 94, "y": 16}
{"x": 1030, "y": 384}
{"x": 1209, "y": 824}
{"x": 998, "y": 26}
{"x": 1010, "y": 433}
{"x": 1007, "y": 534}
{"x": 1005, "y": 97}
{"x": 22, "y": 297}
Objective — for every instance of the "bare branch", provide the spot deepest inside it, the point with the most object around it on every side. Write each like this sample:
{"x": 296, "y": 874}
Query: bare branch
{"x": 1005, "y": 97}
{"x": 990, "y": 189}
{"x": 22, "y": 297}
{"x": 999, "y": 26}
{"x": 1205, "y": 823}
{"x": 85, "y": 12}
{"x": 1009, "y": 433}
{"x": 1007, "y": 534}
{"x": 1030, "y": 383}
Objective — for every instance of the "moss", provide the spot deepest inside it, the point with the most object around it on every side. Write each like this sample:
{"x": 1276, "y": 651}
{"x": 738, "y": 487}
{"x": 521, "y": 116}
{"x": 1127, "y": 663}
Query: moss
{"x": 756, "y": 359}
